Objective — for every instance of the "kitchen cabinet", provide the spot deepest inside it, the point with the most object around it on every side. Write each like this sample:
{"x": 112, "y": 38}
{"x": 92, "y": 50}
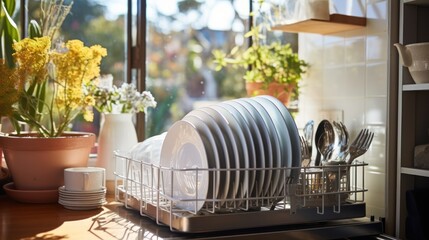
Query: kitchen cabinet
{"x": 413, "y": 113}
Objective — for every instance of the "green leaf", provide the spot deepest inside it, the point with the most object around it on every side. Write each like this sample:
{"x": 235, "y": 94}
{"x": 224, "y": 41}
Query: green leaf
{"x": 15, "y": 123}
{"x": 41, "y": 97}
{"x": 34, "y": 29}
{"x": 31, "y": 88}
{"x": 10, "y": 6}
{"x": 10, "y": 34}
{"x": 2, "y": 21}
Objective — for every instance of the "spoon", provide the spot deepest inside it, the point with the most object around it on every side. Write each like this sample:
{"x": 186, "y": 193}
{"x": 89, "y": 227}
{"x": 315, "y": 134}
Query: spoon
{"x": 319, "y": 131}
{"x": 323, "y": 127}
{"x": 346, "y": 135}
{"x": 340, "y": 141}
{"x": 325, "y": 146}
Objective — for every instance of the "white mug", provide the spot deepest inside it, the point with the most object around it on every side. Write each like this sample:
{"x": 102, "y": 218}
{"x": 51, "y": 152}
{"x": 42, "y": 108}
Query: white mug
{"x": 84, "y": 178}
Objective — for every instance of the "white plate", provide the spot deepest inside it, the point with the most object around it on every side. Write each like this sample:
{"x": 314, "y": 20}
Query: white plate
{"x": 184, "y": 149}
{"x": 81, "y": 195}
{"x": 62, "y": 189}
{"x": 258, "y": 147}
{"x": 147, "y": 152}
{"x": 243, "y": 153}
{"x": 232, "y": 150}
{"x": 212, "y": 154}
{"x": 249, "y": 143}
{"x": 77, "y": 197}
{"x": 294, "y": 137}
{"x": 81, "y": 203}
{"x": 268, "y": 144}
{"x": 283, "y": 134}
{"x": 277, "y": 154}
{"x": 81, "y": 208}
{"x": 221, "y": 148}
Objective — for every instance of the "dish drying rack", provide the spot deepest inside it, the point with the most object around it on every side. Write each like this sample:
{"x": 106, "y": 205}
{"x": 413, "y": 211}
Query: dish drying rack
{"x": 319, "y": 194}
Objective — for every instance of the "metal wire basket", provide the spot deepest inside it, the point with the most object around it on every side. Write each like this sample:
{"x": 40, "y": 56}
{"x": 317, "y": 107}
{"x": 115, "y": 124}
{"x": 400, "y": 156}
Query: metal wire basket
{"x": 319, "y": 194}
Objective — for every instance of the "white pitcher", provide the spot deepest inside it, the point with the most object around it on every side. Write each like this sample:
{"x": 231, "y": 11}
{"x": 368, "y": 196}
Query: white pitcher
{"x": 117, "y": 133}
{"x": 416, "y": 57}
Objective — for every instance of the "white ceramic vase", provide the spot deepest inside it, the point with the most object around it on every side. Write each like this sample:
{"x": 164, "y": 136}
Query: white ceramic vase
{"x": 117, "y": 133}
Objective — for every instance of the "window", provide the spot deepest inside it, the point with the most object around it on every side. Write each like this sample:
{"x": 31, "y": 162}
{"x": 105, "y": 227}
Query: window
{"x": 180, "y": 37}
{"x": 162, "y": 46}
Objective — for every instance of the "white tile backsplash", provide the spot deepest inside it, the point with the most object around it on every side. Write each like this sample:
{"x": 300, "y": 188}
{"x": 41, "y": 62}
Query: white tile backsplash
{"x": 355, "y": 48}
{"x": 375, "y": 111}
{"x": 376, "y": 75}
{"x": 377, "y": 46}
{"x": 349, "y": 73}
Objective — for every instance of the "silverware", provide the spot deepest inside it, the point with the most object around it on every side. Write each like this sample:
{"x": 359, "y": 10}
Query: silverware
{"x": 308, "y": 135}
{"x": 360, "y": 145}
{"x": 305, "y": 153}
{"x": 346, "y": 136}
{"x": 342, "y": 143}
{"x": 324, "y": 127}
{"x": 325, "y": 146}
{"x": 339, "y": 140}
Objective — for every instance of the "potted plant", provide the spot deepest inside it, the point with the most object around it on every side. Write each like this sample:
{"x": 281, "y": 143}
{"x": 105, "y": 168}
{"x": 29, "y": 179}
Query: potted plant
{"x": 8, "y": 33}
{"x": 43, "y": 87}
{"x": 272, "y": 69}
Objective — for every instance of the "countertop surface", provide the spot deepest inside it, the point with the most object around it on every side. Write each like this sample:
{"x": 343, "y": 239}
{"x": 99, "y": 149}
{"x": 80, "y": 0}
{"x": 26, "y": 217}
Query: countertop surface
{"x": 53, "y": 221}
{"x": 114, "y": 221}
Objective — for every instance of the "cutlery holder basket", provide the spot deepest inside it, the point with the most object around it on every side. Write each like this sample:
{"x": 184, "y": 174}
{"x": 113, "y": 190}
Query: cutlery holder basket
{"x": 330, "y": 185}
{"x": 319, "y": 194}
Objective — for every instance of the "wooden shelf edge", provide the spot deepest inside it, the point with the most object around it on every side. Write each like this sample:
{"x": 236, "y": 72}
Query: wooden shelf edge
{"x": 415, "y": 171}
{"x": 417, "y": 2}
{"x": 336, "y": 23}
{"x": 415, "y": 87}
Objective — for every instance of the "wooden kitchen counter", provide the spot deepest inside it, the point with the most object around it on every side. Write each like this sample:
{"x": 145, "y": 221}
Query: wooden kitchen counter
{"x": 53, "y": 221}
{"x": 114, "y": 221}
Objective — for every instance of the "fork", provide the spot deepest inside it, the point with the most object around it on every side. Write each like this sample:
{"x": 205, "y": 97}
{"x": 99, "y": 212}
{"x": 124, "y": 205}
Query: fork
{"x": 360, "y": 145}
{"x": 305, "y": 152}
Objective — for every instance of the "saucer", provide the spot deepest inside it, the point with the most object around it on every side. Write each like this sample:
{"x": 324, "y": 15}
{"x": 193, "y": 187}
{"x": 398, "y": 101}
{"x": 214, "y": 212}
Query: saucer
{"x": 82, "y": 200}
{"x": 62, "y": 189}
{"x": 31, "y": 196}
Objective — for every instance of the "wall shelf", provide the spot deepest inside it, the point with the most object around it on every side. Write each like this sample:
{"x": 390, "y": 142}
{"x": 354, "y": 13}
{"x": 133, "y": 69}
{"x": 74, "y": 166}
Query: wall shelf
{"x": 413, "y": 116}
{"x": 416, "y": 87}
{"x": 336, "y": 23}
{"x": 417, "y": 2}
{"x": 415, "y": 172}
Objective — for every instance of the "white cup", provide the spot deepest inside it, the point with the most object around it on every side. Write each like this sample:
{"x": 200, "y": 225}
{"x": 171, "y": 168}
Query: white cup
{"x": 84, "y": 178}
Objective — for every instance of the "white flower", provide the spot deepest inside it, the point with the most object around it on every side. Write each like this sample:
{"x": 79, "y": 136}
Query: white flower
{"x": 126, "y": 99}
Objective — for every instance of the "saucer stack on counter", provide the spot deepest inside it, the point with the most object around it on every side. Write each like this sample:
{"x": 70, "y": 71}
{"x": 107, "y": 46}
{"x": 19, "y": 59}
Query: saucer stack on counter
{"x": 84, "y": 188}
{"x": 79, "y": 200}
{"x": 249, "y": 148}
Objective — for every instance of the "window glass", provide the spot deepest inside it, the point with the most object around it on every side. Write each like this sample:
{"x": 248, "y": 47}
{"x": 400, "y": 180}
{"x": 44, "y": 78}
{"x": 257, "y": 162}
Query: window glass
{"x": 95, "y": 22}
{"x": 180, "y": 38}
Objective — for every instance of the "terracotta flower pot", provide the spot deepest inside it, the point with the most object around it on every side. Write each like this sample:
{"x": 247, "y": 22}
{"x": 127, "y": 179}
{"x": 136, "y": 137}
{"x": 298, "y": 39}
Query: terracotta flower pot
{"x": 39, "y": 163}
{"x": 280, "y": 91}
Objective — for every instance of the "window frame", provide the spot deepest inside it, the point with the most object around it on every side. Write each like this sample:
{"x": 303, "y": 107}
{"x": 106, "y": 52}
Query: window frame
{"x": 137, "y": 55}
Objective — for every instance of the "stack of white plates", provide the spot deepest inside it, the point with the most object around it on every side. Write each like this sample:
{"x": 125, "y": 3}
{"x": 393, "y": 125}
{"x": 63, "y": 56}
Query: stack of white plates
{"x": 82, "y": 200}
{"x": 240, "y": 137}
